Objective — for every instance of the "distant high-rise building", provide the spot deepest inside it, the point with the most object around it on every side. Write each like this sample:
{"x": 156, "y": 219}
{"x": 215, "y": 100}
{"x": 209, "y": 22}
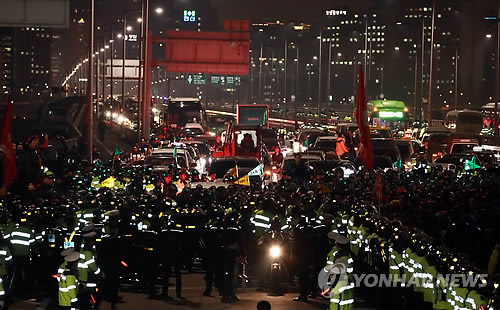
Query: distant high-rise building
{"x": 6, "y": 61}
{"x": 355, "y": 38}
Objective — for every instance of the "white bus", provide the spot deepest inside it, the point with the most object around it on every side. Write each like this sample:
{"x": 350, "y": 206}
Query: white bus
{"x": 464, "y": 121}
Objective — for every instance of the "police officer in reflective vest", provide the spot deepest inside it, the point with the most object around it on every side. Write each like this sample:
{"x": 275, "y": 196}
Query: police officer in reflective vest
{"x": 88, "y": 271}
{"x": 5, "y": 260}
{"x": 68, "y": 282}
{"x": 342, "y": 294}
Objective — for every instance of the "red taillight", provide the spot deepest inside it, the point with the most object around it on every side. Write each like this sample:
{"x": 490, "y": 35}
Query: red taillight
{"x": 212, "y": 177}
{"x": 124, "y": 264}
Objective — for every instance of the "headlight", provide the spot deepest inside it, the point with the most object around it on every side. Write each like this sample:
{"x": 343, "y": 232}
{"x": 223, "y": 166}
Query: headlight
{"x": 275, "y": 251}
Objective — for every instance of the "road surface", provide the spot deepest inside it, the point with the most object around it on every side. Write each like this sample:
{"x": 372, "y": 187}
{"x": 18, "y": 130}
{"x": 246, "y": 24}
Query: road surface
{"x": 193, "y": 286}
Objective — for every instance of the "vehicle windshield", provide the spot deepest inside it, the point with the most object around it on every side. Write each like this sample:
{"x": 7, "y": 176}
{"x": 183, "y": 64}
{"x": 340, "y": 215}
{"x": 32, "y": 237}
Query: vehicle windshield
{"x": 160, "y": 160}
{"x": 246, "y": 141}
{"x": 327, "y": 144}
{"x": 460, "y": 148}
{"x": 202, "y": 148}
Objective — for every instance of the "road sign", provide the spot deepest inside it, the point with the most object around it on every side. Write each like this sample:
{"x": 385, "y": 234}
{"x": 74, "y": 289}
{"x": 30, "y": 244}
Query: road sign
{"x": 230, "y": 80}
{"x": 196, "y": 79}
{"x": 189, "y": 15}
{"x": 233, "y": 80}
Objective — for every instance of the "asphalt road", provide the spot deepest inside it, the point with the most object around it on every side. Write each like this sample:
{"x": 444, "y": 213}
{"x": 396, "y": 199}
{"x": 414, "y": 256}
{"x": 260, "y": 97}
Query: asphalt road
{"x": 193, "y": 286}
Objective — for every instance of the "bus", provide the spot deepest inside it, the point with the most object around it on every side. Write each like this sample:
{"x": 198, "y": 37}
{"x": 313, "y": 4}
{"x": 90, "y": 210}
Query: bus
{"x": 391, "y": 113}
{"x": 180, "y": 111}
{"x": 488, "y": 111}
{"x": 464, "y": 121}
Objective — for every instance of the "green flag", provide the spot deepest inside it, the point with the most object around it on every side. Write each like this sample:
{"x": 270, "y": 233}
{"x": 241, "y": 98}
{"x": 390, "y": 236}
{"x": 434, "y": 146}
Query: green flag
{"x": 117, "y": 151}
{"x": 259, "y": 170}
{"x": 397, "y": 164}
{"x": 470, "y": 164}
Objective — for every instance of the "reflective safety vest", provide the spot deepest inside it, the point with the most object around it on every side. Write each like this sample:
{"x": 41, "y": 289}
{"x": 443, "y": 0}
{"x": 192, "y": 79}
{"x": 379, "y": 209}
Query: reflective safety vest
{"x": 355, "y": 238}
{"x": 342, "y": 297}
{"x": 330, "y": 258}
{"x": 22, "y": 239}
{"x": 396, "y": 265}
{"x": 474, "y": 300}
{"x": 441, "y": 293}
{"x": 68, "y": 289}
{"x": 87, "y": 265}
{"x": 5, "y": 259}
{"x": 262, "y": 221}
{"x": 429, "y": 282}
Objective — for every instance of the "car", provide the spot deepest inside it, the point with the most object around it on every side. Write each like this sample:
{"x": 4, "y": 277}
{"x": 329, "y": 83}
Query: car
{"x": 182, "y": 156}
{"x": 485, "y": 157}
{"x": 220, "y": 167}
{"x": 208, "y": 139}
{"x": 163, "y": 161}
{"x": 192, "y": 132}
{"x": 458, "y": 159}
{"x": 379, "y": 162}
{"x": 194, "y": 154}
{"x": 385, "y": 147}
{"x": 327, "y": 143}
{"x": 290, "y": 159}
{"x": 462, "y": 145}
{"x": 329, "y": 165}
{"x": 320, "y": 153}
{"x": 406, "y": 149}
{"x": 196, "y": 126}
{"x": 435, "y": 144}
{"x": 380, "y": 132}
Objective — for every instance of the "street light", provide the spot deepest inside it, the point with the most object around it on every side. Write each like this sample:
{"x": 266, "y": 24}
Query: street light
{"x": 396, "y": 48}
{"x": 139, "y": 20}
{"x": 129, "y": 28}
{"x": 159, "y": 10}
{"x": 488, "y": 36}
{"x": 119, "y": 36}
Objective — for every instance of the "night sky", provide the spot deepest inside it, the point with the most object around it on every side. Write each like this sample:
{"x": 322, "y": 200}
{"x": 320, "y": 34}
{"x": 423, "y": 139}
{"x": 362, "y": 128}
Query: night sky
{"x": 285, "y": 10}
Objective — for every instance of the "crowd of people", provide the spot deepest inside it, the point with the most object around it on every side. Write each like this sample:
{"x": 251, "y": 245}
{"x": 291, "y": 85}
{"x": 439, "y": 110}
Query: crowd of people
{"x": 90, "y": 225}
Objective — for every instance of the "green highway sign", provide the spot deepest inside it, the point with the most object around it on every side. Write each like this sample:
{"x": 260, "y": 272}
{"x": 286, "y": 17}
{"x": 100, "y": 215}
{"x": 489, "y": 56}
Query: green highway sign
{"x": 215, "y": 79}
{"x": 196, "y": 79}
{"x": 230, "y": 80}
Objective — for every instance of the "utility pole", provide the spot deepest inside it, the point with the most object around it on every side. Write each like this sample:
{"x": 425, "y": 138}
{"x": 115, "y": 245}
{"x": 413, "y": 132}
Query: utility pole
{"x": 328, "y": 86}
{"x": 111, "y": 67}
{"x": 97, "y": 64}
{"x": 123, "y": 61}
{"x": 286, "y": 77}
{"x": 497, "y": 76}
{"x": 104, "y": 70}
{"x": 260, "y": 71}
{"x": 139, "y": 82}
{"x": 422, "y": 71}
{"x": 90, "y": 84}
{"x": 431, "y": 64}
{"x": 319, "y": 69}
{"x": 456, "y": 78}
{"x": 366, "y": 47}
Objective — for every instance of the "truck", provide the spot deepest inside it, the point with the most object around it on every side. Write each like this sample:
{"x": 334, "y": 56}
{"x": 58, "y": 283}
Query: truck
{"x": 253, "y": 114}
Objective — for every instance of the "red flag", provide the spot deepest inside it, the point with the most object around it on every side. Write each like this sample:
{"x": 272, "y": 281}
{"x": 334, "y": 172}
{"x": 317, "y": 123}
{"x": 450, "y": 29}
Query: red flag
{"x": 365, "y": 148}
{"x": 6, "y": 151}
